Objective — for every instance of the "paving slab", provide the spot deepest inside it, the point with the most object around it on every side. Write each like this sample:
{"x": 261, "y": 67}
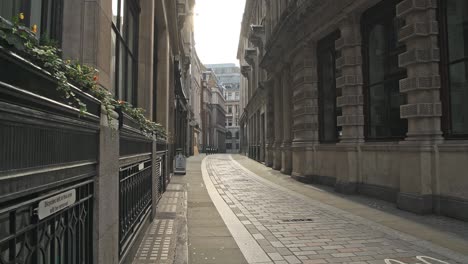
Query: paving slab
{"x": 311, "y": 230}
{"x": 209, "y": 240}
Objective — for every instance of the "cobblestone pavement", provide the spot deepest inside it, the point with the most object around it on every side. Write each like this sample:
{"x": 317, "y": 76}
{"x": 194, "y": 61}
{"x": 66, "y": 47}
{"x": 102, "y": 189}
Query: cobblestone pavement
{"x": 292, "y": 228}
{"x": 160, "y": 241}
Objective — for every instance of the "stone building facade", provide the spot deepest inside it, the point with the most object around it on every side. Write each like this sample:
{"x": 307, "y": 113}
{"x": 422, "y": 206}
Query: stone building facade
{"x": 213, "y": 114}
{"x": 115, "y": 171}
{"x": 229, "y": 78}
{"x": 196, "y": 133}
{"x": 363, "y": 95}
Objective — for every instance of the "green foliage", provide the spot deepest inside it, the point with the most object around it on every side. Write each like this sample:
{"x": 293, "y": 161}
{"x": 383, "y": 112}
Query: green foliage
{"x": 24, "y": 41}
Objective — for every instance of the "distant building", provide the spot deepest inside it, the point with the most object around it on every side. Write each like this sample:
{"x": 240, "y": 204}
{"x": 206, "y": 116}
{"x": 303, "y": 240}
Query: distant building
{"x": 214, "y": 115}
{"x": 229, "y": 77}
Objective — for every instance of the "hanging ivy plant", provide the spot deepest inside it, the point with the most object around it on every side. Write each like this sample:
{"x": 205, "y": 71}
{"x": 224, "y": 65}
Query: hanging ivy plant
{"x": 23, "y": 40}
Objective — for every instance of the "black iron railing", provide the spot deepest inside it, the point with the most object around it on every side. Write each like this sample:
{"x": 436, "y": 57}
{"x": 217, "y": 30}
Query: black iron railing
{"x": 64, "y": 237}
{"x": 135, "y": 196}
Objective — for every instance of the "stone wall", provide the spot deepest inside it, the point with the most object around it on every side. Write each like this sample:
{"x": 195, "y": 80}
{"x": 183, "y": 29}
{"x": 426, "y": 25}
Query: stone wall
{"x": 423, "y": 172}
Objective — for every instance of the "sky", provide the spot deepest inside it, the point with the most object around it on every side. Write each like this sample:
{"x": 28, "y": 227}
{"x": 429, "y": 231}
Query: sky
{"x": 217, "y": 29}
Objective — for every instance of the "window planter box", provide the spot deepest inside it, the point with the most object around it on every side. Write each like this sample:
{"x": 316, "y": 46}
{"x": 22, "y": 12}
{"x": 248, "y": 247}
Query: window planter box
{"x": 28, "y": 85}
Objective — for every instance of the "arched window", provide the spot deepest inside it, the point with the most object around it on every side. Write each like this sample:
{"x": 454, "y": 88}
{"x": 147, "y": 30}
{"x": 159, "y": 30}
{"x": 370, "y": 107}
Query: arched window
{"x": 228, "y": 135}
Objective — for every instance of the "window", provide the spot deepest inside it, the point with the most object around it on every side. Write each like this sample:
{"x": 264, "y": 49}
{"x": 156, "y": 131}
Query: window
{"x": 454, "y": 70}
{"x": 228, "y": 135}
{"x": 228, "y": 145}
{"x": 237, "y": 134}
{"x": 124, "y": 49}
{"x": 382, "y": 73}
{"x": 237, "y": 95}
{"x": 46, "y": 14}
{"x": 230, "y": 109}
{"x": 329, "y": 131}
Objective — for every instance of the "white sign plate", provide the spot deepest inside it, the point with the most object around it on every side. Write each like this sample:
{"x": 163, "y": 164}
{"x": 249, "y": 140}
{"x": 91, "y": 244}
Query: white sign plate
{"x": 56, "y": 203}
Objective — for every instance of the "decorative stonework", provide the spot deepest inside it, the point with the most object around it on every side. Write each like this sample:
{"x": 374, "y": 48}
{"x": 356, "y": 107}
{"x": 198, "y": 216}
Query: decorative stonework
{"x": 420, "y": 83}
{"x": 421, "y": 110}
{"x": 305, "y": 91}
{"x": 421, "y": 60}
{"x": 412, "y": 6}
{"x": 351, "y": 81}
{"x": 250, "y": 56}
{"x": 415, "y": 56}
{"x": 257, "y": 35}
{"x": 245, "y": 70}
{"x": 418, "y": 29}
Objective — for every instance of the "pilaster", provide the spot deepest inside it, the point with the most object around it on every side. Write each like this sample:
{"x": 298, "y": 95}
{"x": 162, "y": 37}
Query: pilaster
{"x": 423, "y": 109}
{"x": 421, "y": 60}
{"x": 270, "y": 122}
{"x": 106, "y": 206}
{"x": 278, "y": 108}
{"x": 286, "y": 156}
{"x": 350, "y": 81}
{"x": 305, "y": 109}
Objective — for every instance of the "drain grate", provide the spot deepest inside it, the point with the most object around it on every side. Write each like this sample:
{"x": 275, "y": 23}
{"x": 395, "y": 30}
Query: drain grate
{"x": 298, "y": 220}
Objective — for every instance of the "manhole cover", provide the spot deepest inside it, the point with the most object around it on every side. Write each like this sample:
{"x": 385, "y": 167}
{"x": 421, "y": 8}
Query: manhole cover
{"x": 299, "y": 220}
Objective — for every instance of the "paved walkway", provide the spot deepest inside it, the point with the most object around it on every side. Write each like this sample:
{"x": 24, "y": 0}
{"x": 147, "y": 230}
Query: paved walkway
{"x": 209, "y": 240}
{"x": 293, "y": 228}
{"x": 231, "y": 209}
{"x": 164, "y": 241}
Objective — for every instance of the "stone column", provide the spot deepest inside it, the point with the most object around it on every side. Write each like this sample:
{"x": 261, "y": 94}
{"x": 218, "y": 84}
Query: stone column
{"x": 257, "y": 136}
{"x": 423, "y": 109}
{"x": 106, "y": 205}
{"x": 286, "y": 157}
{"x": 305, "y": 110}
{"x": 351, "y": 101}
{"x": 351, "y": 81}
{"x": 270, "y": 123}
{"x": 278, "y": 123}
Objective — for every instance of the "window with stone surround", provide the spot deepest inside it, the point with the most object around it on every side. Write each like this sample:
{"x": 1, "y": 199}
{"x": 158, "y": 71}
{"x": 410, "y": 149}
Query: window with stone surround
{"x": 47, "y": 15}
{"x": 381, "y": 72}
{"x": 328, "y": 112}
{"x": 454, "y": 66}
{"x": 124, "y": 48}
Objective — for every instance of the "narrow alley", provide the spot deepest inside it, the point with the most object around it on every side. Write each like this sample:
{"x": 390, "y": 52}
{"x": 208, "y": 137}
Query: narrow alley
{"x": 239, "y": 211}
{"x": 233, "y": 131}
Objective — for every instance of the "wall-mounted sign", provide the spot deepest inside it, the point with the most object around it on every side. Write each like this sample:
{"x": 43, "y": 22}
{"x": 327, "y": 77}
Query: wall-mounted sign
{"x": 56, "y": 203}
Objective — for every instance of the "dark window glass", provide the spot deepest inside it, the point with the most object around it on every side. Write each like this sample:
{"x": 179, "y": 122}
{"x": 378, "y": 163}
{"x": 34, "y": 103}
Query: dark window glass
{"x": 329, "y": 131}
{"x": 382, "y": 73}
{"x": 455, "y": 66}
{"x": 124, "y": 40}
{"x": 47, "y": 15}
{"x": 228, "y": 135}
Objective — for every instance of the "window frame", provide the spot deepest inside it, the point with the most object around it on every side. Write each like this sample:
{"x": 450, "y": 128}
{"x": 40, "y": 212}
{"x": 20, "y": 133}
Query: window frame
{"x": 121, "y": 40}
{"x": 55, "y": 16}
{"x": 369, "y": 19}
{"x": 444, "y": 70}
{"x": 324, "y": 45}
